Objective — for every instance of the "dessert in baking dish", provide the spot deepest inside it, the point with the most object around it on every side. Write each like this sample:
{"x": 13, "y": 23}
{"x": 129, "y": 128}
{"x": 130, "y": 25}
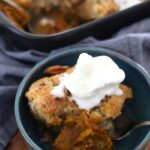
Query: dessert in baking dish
{"x": 51, "y": 16}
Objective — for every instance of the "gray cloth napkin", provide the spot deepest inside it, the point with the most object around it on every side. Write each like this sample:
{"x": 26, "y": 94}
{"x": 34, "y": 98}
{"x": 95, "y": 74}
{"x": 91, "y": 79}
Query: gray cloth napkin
{"x": 133, "y": 41}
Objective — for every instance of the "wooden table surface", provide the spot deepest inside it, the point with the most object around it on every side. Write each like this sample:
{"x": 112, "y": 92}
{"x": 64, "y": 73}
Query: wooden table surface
{"x": 18, "y": 143}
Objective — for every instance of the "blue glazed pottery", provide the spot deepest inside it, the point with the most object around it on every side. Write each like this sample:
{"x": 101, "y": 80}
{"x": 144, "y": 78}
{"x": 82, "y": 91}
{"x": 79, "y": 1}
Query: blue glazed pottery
{"x": 138, "y": 108}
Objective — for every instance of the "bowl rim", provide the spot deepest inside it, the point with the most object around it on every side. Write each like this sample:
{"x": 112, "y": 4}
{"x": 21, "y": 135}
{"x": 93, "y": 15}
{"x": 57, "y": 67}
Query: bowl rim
{"x": 67, "y": 51}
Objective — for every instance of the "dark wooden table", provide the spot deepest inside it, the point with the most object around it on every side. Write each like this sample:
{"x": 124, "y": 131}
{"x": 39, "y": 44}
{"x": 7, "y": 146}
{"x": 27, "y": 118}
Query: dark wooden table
{"x": 18, "y": 143}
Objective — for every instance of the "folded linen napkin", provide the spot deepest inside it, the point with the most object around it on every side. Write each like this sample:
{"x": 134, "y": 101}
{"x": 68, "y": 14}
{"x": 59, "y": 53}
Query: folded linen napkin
{"x": 133, "y": 41}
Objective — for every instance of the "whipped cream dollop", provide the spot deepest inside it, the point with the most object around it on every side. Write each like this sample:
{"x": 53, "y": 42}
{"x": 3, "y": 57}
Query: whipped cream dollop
{"x": 92, "y": 79}
{"x": 123, "y": 4}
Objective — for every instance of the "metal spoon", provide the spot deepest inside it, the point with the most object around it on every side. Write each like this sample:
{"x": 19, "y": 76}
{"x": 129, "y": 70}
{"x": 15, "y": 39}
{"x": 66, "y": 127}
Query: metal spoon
{"x": 12, "y": 4}
{"x": 42, "y": 19}
{"x": 38, "y": 19}
{"x": 124, "y": 127}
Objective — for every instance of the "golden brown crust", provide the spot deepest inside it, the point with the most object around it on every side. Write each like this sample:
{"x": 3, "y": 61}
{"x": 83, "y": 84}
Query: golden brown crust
{"x": 46, "y": 107}
{"x": 111, "y": 107}
{"x": 41, "y": 102}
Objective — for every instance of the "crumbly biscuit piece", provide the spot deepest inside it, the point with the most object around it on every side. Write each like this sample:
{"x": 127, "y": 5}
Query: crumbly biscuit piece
{"x": 52, "y": 110}
{"x": 111, "y": 107}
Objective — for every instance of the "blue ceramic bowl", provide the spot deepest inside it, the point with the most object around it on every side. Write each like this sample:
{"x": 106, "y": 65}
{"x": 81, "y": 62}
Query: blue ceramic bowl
{"x": 138, "y": 109}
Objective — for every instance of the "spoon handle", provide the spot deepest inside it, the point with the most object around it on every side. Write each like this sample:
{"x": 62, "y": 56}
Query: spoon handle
{"x": 140, "y": 124}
